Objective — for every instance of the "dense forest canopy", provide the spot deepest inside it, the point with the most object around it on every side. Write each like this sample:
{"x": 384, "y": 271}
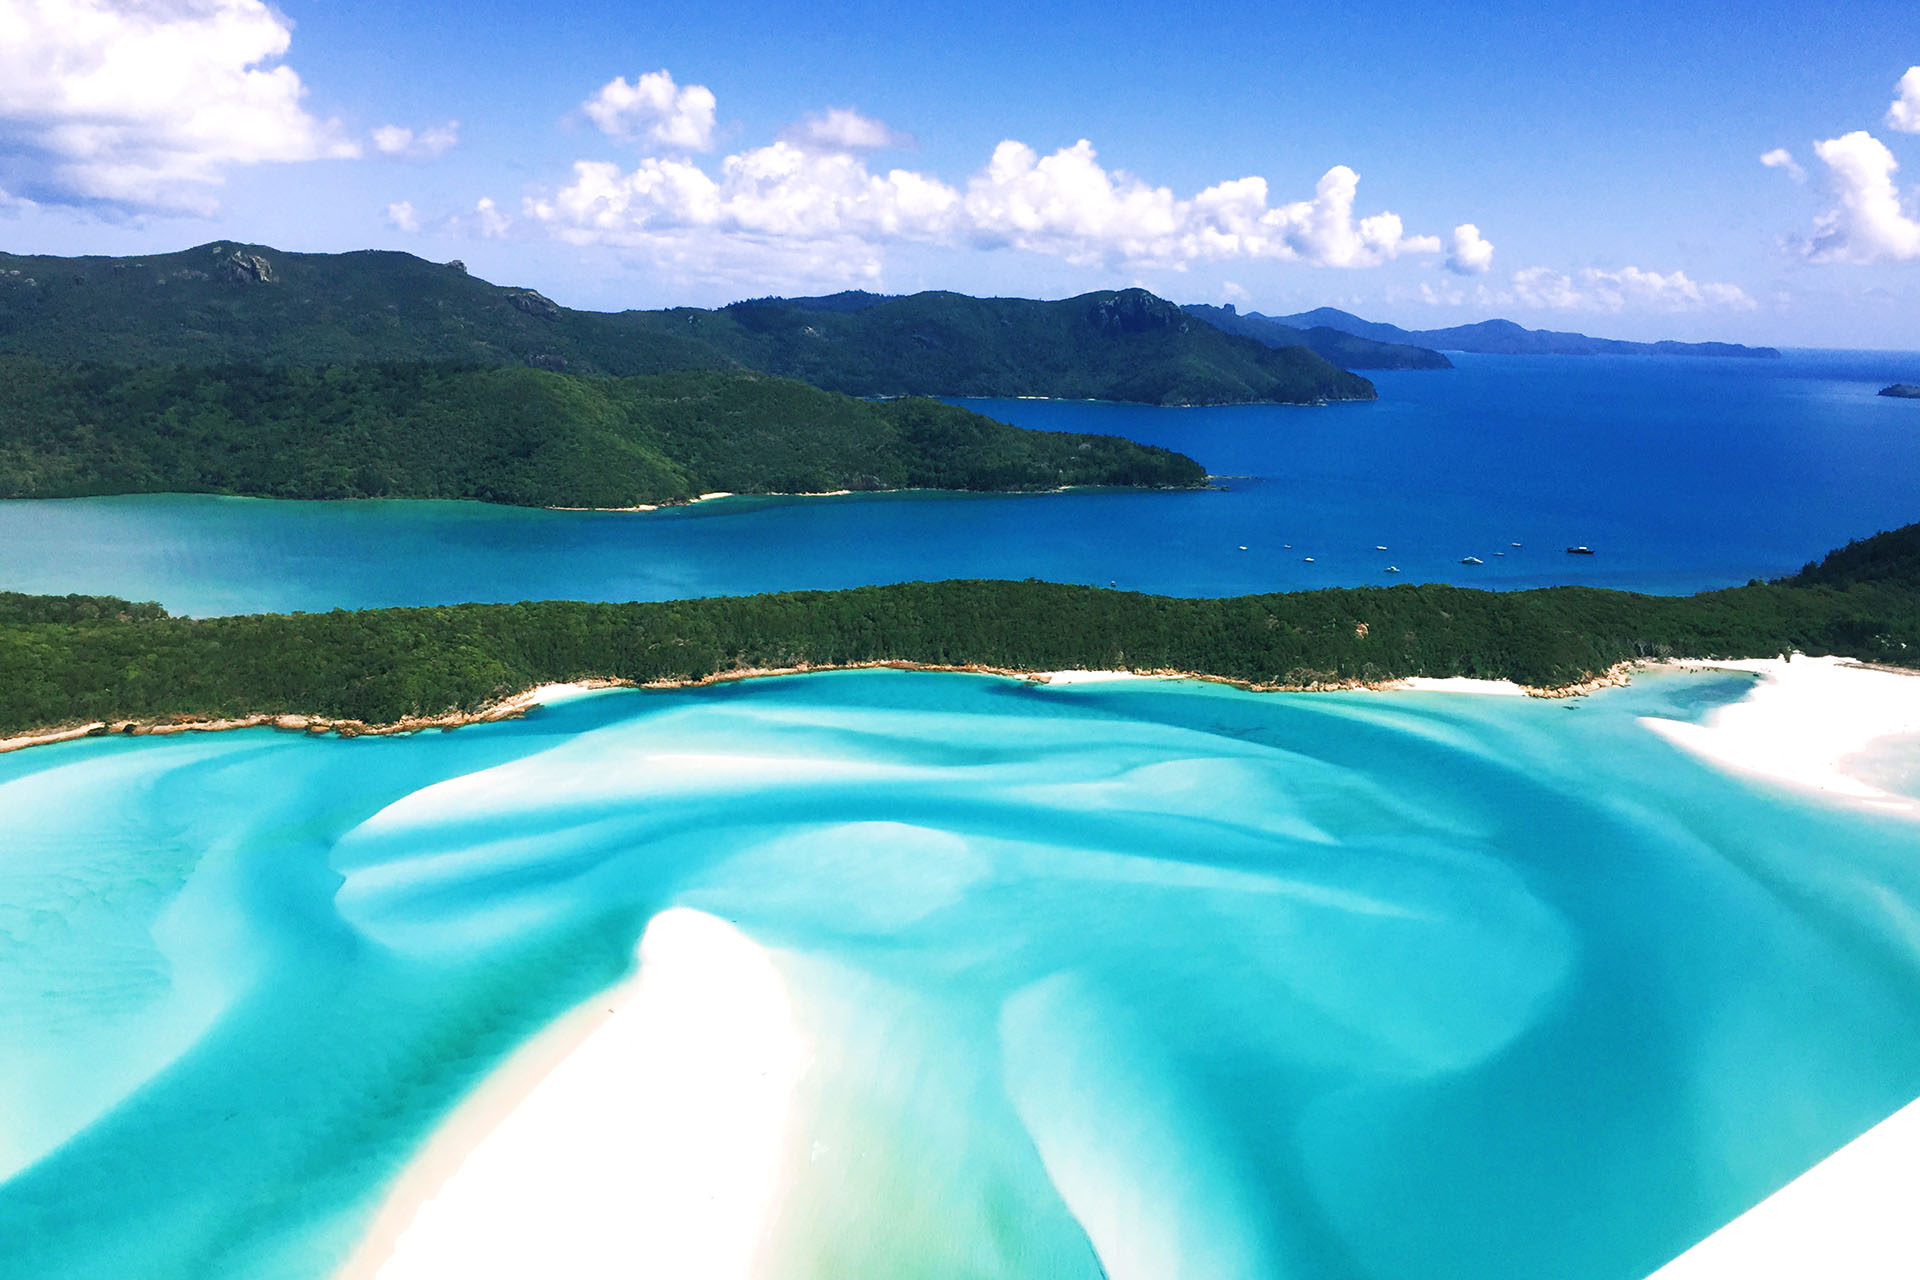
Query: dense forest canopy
{"x": 74, "y": 660}
{"x": 513, "y": 435}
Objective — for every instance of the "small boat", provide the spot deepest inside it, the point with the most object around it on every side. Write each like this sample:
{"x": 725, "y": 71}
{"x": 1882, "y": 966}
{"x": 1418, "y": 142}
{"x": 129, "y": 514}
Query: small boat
{"x": 1379, "y": 548}
{"x": 1498, "y": 554}
{"x": 1393, "y": 568}
{"x": 1287, "y": 545}
{"x": 1471, "y": 560}
{"x": 1516, "y": 544}
{"x": 1579, "y": 551}
{"x": 1309, "y": 559}
{"x": 1243, "y": 548}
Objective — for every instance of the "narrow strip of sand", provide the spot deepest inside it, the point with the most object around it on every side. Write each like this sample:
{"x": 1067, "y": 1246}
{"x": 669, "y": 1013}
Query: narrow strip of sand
{"x": 1802, "y": 723}
{"x": 1851, "y": 1216}
{"x": 643, "y": 1135}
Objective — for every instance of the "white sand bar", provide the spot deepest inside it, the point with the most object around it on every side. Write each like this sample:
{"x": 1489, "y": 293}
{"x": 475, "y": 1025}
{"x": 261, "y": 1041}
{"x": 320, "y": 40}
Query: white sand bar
{"x": 1091, "y": 677}
{"x": 653, "y": 1148}
{"x": 1461, "y": 684}
{"x": 1853, "y": 1216}
{"x": 1802, "y": 722}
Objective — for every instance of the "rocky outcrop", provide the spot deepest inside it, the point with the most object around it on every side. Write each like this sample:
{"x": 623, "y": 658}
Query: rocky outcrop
{"x": 246, "y": 268}
{"x": 534, "y": 303}
{"x": 1902, "y": 391}
{"x": 1136, "y": 311}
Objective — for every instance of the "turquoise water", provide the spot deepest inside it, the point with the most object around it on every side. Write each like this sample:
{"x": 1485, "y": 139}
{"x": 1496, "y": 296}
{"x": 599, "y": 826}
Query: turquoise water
{"x": 1345, "y": 986}
{"x": 1682, "y": 474}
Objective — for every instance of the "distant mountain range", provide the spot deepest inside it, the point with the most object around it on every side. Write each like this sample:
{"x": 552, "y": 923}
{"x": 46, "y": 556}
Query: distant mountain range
{"x": 1504, "y": 337}
{"x": 1346, "y": 349}
{"x": 226, "y": 302}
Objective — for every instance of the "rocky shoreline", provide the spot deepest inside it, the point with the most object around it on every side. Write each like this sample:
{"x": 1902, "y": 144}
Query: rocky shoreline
{"x": 517, "y": 705}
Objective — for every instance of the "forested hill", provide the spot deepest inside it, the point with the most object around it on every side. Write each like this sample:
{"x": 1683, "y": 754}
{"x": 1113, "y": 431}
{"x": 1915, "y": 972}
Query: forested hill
{"x": 513, "y": 435}
{"x": 1347, "y": 350}
{"x": 227, "y": 303}
{"x": 1504, "y": 337}
{"x": 79, "y": 660}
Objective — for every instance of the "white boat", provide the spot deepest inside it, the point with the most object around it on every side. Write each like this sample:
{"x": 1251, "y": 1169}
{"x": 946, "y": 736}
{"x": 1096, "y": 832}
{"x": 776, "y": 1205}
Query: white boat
{"x": 1471, "y": 560}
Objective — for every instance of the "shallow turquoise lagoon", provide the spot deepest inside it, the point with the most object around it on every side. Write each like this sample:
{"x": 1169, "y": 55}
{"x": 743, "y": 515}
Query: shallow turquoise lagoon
{"x": 1681, "y": 474}
{"x": 1349, "y": 986}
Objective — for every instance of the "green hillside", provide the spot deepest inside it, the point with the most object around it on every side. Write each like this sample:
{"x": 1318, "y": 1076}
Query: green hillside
{"x": 512, "y": 435}
{"x": 226, "y": 303}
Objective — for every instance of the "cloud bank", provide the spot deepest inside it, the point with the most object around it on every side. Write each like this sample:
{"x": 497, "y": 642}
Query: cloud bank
{"x": 1593, "y": 289}
{"x": 813, "y": 195}
{"x": 146, "y": 105}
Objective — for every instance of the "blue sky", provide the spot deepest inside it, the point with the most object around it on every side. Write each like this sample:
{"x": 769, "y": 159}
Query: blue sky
{"x": 1607, "y": 159}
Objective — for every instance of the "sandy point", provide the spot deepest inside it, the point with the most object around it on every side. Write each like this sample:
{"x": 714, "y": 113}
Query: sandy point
{"x": 1805, "y": 722}
{"x": 644, "y": 1134}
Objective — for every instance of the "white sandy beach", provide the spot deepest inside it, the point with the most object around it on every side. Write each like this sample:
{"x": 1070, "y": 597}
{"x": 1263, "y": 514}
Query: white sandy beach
{"x": 1803, "y": 721}
{"x": 642, "y": 1136}
{"x": 1461, "y": 684}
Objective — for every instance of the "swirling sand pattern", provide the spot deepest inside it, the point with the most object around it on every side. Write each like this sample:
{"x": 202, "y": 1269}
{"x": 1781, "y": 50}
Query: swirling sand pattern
{"x": 1142, "y": 980}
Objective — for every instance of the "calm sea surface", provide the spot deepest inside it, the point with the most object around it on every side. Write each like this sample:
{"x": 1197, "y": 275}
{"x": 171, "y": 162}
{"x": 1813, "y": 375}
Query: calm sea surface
{"x": 1681, "y": 474}
{"x": 1363, "y": 987}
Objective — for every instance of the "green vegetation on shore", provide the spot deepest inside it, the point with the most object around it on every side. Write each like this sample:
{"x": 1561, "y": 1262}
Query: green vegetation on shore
{"x": 513, "y": 435}
{"x": 76, "y": 660}
{"x": 225, "y": 303}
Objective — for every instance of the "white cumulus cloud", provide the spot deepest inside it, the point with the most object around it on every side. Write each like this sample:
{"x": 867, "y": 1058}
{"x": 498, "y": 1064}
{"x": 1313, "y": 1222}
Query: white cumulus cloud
{"x": 1471, "y": 254}
{"x": 423, "y": 144}
{"x": 146, "y": 105}
{"x": 1904, "y": 114}
{"x": 1869, "y": 222}
{"x": 401, "y": 216}
{"x": 844, "y": 129}
{"x": 1629, "y": 288}
{"x": 1781, "y": 158}
{"x": 487, "y": 221}
{"x": 655, "y": 109}
{"x": 812, "y": 196}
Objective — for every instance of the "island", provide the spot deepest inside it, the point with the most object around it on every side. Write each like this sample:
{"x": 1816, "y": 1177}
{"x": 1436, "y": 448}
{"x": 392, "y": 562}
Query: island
{"x": 1902, "y": 391}
{"x": 515, "y": 435}
{"x": 1504, "y": 337}
{"x": 227, "y": 303}
{"x": 79, "y": 665}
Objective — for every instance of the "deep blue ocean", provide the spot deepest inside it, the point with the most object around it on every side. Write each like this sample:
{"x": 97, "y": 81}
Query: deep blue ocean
{"x": 1680, "y": 474}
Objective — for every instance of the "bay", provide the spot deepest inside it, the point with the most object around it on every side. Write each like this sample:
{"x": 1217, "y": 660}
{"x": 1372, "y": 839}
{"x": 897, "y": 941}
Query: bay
{"x": 1681, "y": 474}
